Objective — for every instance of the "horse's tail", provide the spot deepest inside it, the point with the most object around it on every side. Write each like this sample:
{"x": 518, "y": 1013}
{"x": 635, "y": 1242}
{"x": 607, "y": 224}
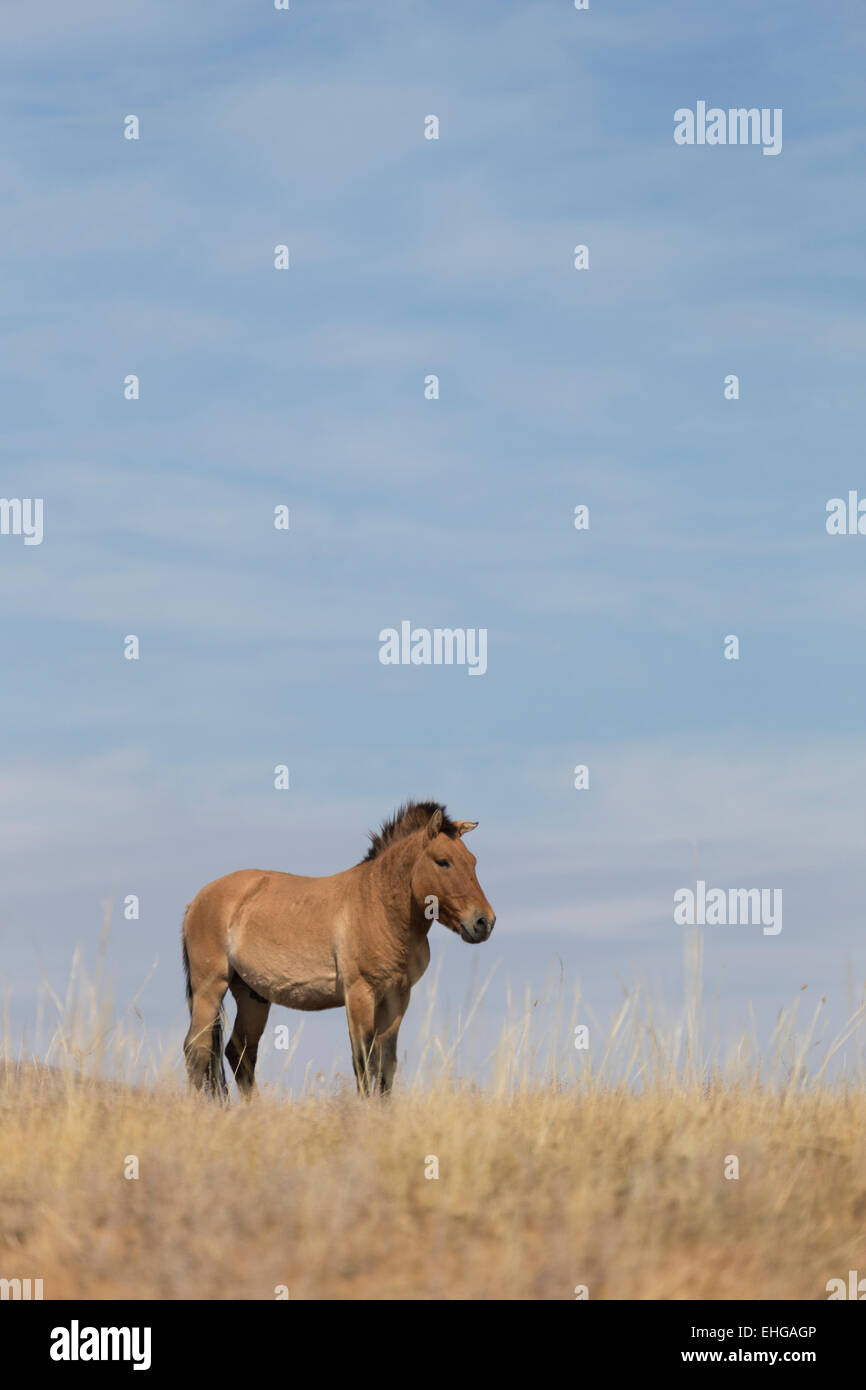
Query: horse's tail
{"x": 185, "y": 950}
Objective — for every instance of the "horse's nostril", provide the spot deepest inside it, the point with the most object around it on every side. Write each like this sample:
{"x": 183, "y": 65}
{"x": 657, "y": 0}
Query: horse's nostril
{"x": 483, "y": 923}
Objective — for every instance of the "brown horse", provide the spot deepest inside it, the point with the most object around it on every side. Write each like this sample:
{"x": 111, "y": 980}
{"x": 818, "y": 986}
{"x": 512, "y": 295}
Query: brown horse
{"x": 357, "y": 938}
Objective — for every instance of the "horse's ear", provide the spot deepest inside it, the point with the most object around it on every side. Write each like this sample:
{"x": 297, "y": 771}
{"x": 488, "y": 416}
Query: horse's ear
{"x": 434, "y": 825}
{"x": 463, "y": 827}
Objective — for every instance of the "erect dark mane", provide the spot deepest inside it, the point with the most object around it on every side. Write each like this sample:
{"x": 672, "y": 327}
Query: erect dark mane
{"x": 412, "y": 816}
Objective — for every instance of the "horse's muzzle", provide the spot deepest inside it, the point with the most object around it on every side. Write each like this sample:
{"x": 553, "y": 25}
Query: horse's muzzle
{"x": 477, "y": 928}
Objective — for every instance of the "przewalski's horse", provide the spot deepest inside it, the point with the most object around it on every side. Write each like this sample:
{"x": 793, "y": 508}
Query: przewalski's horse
{"x": 358, "y": 938}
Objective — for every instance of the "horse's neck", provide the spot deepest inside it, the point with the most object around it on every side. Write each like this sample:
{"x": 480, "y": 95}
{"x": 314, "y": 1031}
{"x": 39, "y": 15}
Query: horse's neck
{"x": 393, "y": 876}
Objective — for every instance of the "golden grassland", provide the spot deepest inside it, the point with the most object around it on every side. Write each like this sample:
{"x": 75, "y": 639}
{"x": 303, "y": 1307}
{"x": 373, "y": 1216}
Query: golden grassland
{"x": 607, "y": 1172}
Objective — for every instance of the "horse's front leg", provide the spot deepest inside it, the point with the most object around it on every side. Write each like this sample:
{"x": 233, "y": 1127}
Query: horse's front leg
{"x": 389, "y": 1015}
{"x": 361, "y": 1013}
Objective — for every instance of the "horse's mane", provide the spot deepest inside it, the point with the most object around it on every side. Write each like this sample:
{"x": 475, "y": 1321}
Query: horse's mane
{"x": 411, "y": 816}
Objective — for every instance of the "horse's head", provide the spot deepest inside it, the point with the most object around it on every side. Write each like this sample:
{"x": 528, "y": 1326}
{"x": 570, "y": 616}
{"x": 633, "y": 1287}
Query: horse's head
{"x": 445, "y": 872}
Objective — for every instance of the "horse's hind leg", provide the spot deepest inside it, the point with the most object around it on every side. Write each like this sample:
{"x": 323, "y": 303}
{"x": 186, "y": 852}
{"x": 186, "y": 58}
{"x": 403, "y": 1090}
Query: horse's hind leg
{"x": 202, "y": 1046}
{"x": 243, "y": 1045}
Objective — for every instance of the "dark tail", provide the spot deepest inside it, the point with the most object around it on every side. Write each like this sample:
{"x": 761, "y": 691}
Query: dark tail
{"x": 186, "y": 962}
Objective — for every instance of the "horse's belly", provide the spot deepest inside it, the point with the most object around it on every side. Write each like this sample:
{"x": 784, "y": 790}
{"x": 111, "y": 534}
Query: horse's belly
{"x": 282, "y": 978}
{"x": 324, "y": 993}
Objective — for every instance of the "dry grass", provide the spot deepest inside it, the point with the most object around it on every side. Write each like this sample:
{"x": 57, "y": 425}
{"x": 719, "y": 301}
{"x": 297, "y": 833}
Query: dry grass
{"x": 606, "y": 1172}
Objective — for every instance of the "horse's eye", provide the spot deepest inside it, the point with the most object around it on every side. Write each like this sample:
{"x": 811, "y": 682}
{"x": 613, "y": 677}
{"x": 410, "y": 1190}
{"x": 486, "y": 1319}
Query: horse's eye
{"x": 444, "y": 863}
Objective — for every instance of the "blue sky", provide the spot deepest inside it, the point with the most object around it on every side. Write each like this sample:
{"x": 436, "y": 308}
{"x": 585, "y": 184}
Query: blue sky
{"x": 558, "y": 387}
